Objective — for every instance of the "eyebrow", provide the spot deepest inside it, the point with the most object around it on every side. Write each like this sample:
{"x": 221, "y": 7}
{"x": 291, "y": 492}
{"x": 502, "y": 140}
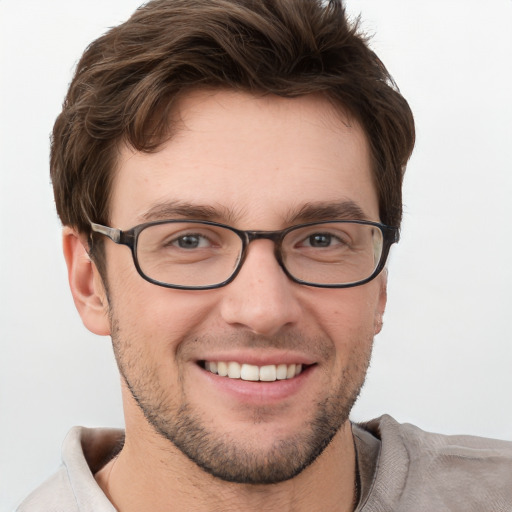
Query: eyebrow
{"x": 181, "y": 209}
{"x": 322, "y": 211}
{"x": 309, "y": 212}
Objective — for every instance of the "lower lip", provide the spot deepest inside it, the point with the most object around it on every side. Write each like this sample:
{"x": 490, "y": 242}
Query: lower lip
{"x": 258, "y": 393}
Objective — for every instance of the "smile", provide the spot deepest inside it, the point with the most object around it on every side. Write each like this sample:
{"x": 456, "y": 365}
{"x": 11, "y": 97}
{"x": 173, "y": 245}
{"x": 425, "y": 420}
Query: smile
{"x": 267, "y": 373}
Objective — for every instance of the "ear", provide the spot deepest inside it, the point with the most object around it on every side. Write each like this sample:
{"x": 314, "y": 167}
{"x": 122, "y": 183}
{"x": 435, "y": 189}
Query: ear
{"x": 381, "y": 302}
{"x": 85, "y": 283}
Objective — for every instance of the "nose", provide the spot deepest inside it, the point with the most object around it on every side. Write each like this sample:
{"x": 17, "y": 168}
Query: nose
{"x": 261, "y": 298}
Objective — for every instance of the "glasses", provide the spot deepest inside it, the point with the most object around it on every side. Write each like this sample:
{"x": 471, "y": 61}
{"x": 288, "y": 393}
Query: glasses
{"x": 200, "y": 255}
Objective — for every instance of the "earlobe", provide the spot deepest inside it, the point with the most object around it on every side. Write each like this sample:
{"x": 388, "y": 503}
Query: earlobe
{"x": 381, "y": 305}
{"x": 85, "y": 283}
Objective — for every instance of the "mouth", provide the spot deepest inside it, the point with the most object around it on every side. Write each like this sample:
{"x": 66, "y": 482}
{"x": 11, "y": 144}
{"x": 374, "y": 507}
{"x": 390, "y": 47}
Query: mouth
{"x": 253, "y": 373}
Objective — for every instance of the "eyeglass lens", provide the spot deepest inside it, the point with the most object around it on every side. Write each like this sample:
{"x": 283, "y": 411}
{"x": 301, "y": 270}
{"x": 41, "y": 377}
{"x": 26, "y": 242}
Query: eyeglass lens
{"x": 197, "y": 254}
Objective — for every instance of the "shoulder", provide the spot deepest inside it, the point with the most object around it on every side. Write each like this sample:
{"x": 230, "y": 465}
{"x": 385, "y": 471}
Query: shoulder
{"x": 54, "y": 495}
{"x": 450, "y": 452}
{"x": 414, "y": 437}
{"x": 430, "y": 471}
{"x": 73, "y": 488}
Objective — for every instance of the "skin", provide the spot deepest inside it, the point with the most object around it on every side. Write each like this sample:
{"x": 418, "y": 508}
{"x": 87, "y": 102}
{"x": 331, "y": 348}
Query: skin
{"x": 253, "y": 163}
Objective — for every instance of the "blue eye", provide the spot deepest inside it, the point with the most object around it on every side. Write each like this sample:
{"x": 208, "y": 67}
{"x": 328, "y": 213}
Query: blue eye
{"x": 323, "y": 240}
{"x": 191, "y": 241}
{"x": 188, "y": 242}
{"x": 319, "y": 240}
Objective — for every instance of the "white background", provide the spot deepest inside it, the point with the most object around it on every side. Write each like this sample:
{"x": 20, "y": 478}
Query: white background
{"x": 444, "y": 359}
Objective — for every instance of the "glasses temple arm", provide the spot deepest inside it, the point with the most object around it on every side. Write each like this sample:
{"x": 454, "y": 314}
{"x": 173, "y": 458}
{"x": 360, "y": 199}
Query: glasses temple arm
{"x": 113, "y": 233}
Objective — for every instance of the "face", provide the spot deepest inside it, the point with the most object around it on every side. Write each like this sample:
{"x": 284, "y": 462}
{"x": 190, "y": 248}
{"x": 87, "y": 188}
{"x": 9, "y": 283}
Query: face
{"x": 261, "y": 164}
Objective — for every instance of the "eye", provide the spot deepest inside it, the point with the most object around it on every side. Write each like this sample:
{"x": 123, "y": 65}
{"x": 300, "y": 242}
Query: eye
{"x": 320, "y": 240}
{"x": 191, "y": 241}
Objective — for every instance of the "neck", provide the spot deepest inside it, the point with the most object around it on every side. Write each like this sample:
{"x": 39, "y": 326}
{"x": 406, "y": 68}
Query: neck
{"x": 152, "y": 474}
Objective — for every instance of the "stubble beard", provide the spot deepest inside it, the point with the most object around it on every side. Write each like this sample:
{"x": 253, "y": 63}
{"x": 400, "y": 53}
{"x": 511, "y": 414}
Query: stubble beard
{"x": 220, "y": 454}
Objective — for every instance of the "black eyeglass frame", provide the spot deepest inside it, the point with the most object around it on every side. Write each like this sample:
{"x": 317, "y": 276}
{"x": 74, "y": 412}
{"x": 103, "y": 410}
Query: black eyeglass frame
{"x": 129, "y": 237}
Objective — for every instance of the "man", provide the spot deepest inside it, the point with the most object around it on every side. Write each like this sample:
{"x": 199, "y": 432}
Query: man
{"x": 250, "y": 156}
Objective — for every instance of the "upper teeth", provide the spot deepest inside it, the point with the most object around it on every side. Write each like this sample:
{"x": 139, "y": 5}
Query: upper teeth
{"x": 267, "y": 373}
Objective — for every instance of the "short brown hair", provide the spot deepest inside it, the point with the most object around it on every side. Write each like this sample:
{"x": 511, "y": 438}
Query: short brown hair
{"x": 128, "y": 81}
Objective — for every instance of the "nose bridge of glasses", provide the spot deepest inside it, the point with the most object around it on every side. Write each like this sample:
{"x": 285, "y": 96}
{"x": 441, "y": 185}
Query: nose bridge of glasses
{"x": 274, "y": 236}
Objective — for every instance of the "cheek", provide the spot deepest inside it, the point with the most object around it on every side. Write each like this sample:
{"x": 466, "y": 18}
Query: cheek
{"x": 347, "y": 313}
{"x": 347, "y": 317}
{"x": 155, "y": 317}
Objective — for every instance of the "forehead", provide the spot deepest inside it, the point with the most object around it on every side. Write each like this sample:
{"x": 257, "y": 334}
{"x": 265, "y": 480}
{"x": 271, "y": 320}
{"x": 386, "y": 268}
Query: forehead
{"x": 247, "y": 160}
